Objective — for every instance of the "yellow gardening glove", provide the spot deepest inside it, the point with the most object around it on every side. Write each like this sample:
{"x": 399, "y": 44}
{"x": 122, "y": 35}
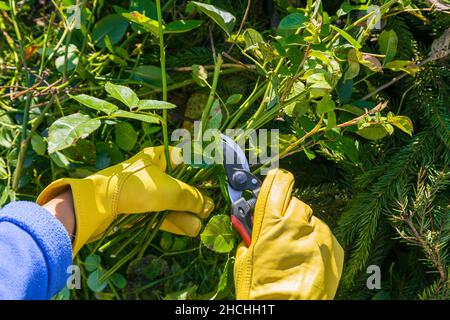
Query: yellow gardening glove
{"x": 137, "y": 185}
{"x": 293, "y": 255}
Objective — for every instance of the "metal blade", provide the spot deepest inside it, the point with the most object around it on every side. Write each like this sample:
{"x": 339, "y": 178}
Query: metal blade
{"x": 233, "y": 158}
{"x": 233, "y": 154}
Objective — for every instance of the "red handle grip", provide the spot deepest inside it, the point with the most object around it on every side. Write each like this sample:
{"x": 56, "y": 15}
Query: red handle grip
{"x": 237, "y": 224}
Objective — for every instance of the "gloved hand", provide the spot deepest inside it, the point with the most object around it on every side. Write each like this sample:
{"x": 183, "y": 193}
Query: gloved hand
{"x": 293, "y": 255}
{"x": 137, "y": 185}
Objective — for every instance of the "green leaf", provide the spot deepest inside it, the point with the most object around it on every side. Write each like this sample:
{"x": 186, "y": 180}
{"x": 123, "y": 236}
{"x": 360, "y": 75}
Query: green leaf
{"x": 154, "y": 104}
{"x": 252, "y": 38}
{"x": 403, "y": 65}
{"x": 218, "y": 234}
{"x": 94, "y": 283}
{"x": 326, "y": 104}
{"x": 179, "y": 243}
{"x": 5, "y": 194}
{"x": 182, "y": 26}
{"x": 119, "y": 280}
{"x": 200, "y": 75}
{"x": 352, "y": 71}
{"x": 92, "y": 263}
{"x": 292, "y": 21}
{"x": 64, "y": 294}
{"x": 310, "y": 154}
{"x": 166, "y": 241}
{"x": 7, "y": 133}
{"x": 72, "y": 58}
{"x": 223, "y": 18}
{"x": 3, "y": 172}
{"x": 143, "y": 21}
{"x": 126, "y": 136}
{"x": 113, "y": 25}
{"x": 95, "y": 103}
{"x": 297, "y": 109}
{"x": 345, "y": 90}
{"x": 146, "y": 117}
{"x": 38, "y": 144}
{"x": 60, "y": 159}
{"x": 123, "y": 94}
{"x": 371, "y": 62}
{"x": 319, "y": 85}
{"x": 118, "y": 60}
{"x": 388, "y": 43}
{"x": 344, "y": 9}
{"x": 65, "y": 131}
{"x": 403, "y": 123}
{"x": 347, "y": 37}
{"x": 146, "y": 7}
{"x": 373, "y": 132}
{"x": 149, "y": 74}
{"x": 215, "y": 116}
{"x": 234, "y": 99}
{"x": 353, "y": 65}
{"x": 4, "y": 6}
{"x": 148, "y": 129}
{"x": 331, "y": 119}
{"x": 346, "y": 146}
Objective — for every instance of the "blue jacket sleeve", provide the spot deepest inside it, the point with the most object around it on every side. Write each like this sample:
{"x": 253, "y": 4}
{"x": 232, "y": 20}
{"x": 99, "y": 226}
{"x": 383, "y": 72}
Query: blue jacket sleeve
{"x": 35, "y": 252}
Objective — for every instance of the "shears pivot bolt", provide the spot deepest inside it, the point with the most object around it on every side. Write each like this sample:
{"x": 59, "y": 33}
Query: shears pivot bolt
{"x": 239, "y": 178}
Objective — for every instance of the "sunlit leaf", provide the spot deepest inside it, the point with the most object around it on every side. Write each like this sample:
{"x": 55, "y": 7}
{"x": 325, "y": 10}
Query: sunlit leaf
{"x": 373, "y": 132}
{"x": 403, "y": 65}
{"x": 3, "y": 172}
{"x": 218, "y": 234}
{"x": 95, "y": 103}
{"x": 252, "y": 38}
{"x": 143, "y": 21}
{"x": 200, "y": 75}
{"x": 72, "y": 58}
{"x": 223, "y": 18}
{"x": 347, "y": 37}
{"x": 403, "y": 123}
{"x": 65, "y": 131}
{"x": 123, "y": 94}
{"x": 371, "y": 62}
{"x": 148, "y": 104}
{"x": 38, "y": 144}
{"x": 147, "y": 117}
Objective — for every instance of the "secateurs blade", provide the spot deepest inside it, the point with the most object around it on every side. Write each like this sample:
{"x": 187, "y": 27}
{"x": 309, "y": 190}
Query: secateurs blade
{"x": 240, "y": 179}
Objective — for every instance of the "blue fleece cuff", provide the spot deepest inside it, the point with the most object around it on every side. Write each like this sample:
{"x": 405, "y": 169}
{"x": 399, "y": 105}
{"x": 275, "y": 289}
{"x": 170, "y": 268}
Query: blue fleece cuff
{"x": 50, "y": 235}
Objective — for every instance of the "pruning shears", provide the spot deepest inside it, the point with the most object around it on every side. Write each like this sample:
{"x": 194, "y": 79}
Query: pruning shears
{"x": 240, "y": 179}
